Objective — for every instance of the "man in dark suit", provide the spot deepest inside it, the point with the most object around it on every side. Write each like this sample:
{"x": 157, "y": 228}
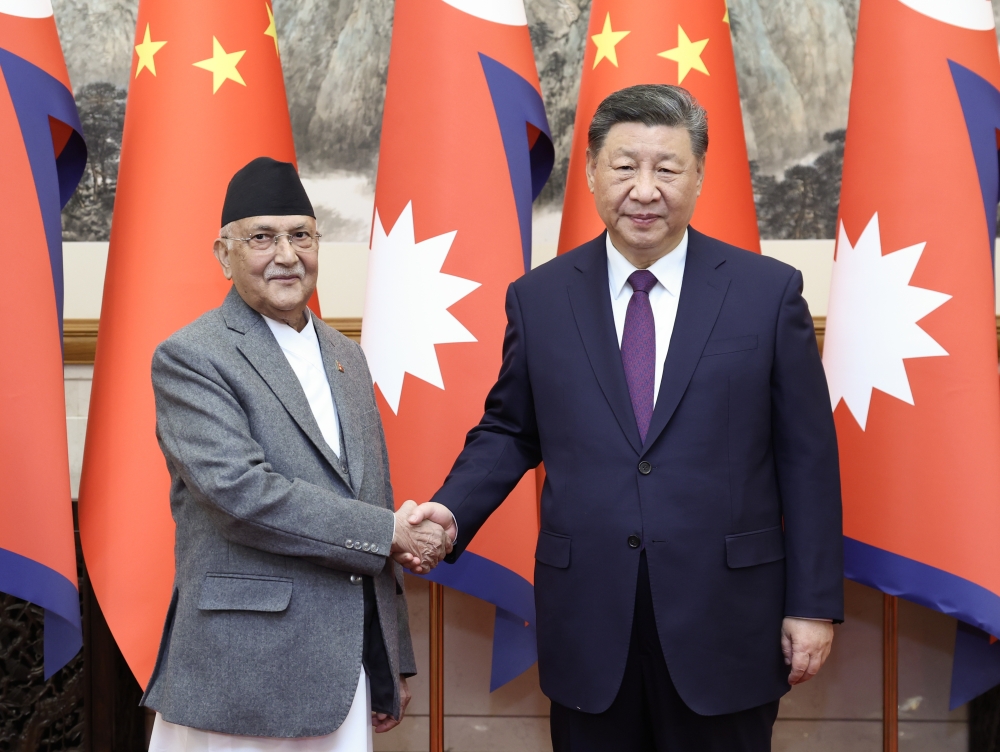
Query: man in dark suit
{"x": 688, "y": 568}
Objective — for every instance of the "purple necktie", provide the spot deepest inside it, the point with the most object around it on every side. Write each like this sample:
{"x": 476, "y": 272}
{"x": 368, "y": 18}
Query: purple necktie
{"x": 639, "y": 349}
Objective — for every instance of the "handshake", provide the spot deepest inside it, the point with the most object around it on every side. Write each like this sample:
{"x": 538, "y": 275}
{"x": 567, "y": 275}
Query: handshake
{"x": 424, "y": 535}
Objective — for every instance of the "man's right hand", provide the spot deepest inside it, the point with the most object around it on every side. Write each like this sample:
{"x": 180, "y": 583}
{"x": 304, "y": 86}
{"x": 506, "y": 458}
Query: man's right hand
{"x": 438, "y": 513}
{"x": 420, "y": 545}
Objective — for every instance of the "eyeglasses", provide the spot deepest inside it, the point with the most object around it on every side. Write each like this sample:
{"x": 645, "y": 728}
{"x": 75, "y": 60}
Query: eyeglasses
{"x": 264, "y": 241}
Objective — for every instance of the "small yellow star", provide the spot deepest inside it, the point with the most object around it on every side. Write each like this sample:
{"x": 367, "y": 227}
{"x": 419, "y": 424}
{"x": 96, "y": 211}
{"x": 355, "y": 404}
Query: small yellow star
{"x": 725, "y": 18}
{"x": 687, "y": 55}
{"x": 223, "y": 65}
{"x": 271, "y": 30}
{"x": 145, "y": 50}
{"x": 606, "y": 42}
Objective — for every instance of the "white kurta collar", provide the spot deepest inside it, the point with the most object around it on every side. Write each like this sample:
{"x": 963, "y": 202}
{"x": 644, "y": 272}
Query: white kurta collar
{"x": 301, "y": 350}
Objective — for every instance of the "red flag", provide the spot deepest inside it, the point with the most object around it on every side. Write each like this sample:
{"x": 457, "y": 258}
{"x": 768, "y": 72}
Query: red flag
{"x": 207, "y": 96}
{"x": 465, "y": 149}
{"x": 42, "y": 159}
{"x": 911, "y": 349}
{"x": 632, "y": 42}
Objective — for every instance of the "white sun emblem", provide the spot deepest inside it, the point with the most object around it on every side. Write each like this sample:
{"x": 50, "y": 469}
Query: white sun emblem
{"x": 406, "y": 306}
{"x": 872, "y": 322}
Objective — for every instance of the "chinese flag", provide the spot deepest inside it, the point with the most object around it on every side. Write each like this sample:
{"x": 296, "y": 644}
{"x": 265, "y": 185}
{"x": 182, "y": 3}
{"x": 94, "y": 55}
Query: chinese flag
{"x": 688, "y": 44}
{"x": 206, "y": 97}
{"x": 465, "y": 149}
{"x": 911, "y": 348}
{"x": 41, "y": 160}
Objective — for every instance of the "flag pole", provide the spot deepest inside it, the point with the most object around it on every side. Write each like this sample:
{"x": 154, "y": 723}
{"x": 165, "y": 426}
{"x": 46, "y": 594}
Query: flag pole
{"x": 437, "y": 667}
{"x": 890, "y": 673}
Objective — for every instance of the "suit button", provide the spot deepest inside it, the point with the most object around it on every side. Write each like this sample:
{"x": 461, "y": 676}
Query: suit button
{"x": 355, "y": 579}
{"x": 645, "y": 468}
{"x": 633, "y": 541}
{"x": 365, "y": 546}
{"x": 350, "y": 543}
{"x": 374, "y": 549}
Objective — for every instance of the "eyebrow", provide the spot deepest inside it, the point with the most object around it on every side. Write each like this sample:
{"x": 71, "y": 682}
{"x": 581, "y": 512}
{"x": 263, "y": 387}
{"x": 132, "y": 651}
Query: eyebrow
{"x": 625, "y": 152}
{"x": 260, "y": 226}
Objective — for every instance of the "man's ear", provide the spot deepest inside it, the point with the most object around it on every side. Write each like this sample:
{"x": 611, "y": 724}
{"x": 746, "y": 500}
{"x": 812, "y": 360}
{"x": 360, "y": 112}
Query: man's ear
{"x": 221, "y": 251}
{"x": 591, "y": 169}
{"x": 701, "y": 174}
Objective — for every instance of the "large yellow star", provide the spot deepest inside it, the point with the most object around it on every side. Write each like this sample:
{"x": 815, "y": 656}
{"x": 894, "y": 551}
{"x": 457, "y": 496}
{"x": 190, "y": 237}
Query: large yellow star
{"x": 271, "y": 30}
{"x": 223, "y": 65}
{"x": 145, "y": 50}
{"x": 606, "y": 42}
{"x": 687, "y": 55}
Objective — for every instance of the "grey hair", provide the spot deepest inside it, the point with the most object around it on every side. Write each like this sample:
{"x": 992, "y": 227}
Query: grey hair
{"x": 231, "y": 230}
{"x": 652, "y": 105}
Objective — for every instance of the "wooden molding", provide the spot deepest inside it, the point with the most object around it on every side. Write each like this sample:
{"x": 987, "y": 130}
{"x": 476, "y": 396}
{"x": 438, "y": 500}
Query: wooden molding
{"x": 80, "y": 336}
{"x": 79, "y": 341}
{"x": 348, "y": 327}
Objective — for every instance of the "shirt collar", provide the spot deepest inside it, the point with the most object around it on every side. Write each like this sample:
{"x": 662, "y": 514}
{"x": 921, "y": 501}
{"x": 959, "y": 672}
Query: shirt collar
{"x": 304, "y": 344}
{"x": 669, "y": 270}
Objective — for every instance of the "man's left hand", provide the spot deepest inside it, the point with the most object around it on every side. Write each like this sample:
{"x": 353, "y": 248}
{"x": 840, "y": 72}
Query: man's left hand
{"x": 806, "y": 645}
{"x": 383, "y": 721}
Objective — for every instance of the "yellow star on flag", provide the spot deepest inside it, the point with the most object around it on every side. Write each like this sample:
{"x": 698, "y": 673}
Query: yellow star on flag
{"x": 223, "y": 65}
{"x": 145, "y": 50}
{"x": 606, "y": 42}
{"x": 271, "y": 30}
{"x": 725, "y": 18}
{"x": 687, "y": 55}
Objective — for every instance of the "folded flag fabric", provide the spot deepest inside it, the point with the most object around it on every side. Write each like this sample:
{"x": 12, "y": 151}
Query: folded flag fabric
{"x": 41, "y": 162}
{"x": 206, "y": 96}
{"x": 465, "y": 150}
{"x": 911, "y": 348}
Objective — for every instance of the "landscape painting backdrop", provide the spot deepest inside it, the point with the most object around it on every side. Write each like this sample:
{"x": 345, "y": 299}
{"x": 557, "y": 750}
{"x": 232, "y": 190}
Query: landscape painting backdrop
{"x": 793, "y": 57}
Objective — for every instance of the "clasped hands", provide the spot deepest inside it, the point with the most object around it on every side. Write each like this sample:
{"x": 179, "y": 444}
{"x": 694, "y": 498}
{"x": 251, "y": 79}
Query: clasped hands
{"x": 424, "y": 535}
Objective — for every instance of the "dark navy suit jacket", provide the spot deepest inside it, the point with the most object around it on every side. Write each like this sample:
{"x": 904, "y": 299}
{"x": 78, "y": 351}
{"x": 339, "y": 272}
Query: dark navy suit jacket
{"x": 735, "y": 495}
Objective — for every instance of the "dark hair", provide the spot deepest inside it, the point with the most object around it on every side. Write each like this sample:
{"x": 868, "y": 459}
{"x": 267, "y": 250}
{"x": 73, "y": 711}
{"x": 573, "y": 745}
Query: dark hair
{"x": 652, "y": 105}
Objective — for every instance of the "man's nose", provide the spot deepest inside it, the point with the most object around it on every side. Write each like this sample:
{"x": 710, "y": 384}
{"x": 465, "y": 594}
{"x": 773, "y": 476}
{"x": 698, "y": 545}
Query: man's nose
{"x": 644, "y": 187}
{"x": 283, "y": 251}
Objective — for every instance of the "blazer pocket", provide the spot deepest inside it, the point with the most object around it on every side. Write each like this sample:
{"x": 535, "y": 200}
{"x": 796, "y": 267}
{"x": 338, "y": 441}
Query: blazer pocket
{"x": 553, "y": 549}
{"x": 245, "y": 592}
{"x": 758, "y": 547}
{"x": 732, "y": 344}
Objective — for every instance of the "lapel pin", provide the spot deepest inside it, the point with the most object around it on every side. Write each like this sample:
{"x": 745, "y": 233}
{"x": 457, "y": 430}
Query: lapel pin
{"x": 340, "y": 367}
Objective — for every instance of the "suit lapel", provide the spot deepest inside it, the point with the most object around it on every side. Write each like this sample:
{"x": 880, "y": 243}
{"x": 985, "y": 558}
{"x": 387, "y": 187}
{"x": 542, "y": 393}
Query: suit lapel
{"x": 262, "y": 350}
{"x": 590, "y": 299}
{"x": 702, "y": 293}
{"x": 348, "y": 410}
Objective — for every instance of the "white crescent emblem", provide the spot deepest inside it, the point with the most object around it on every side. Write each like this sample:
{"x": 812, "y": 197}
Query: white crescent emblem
{"x": 26, "y": 8}
{"x": 507, "y": 12}
{"x": 967, "y": 14}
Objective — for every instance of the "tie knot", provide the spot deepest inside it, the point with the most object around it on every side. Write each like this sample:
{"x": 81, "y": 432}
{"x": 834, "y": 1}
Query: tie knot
{"x": 642, "y": 281}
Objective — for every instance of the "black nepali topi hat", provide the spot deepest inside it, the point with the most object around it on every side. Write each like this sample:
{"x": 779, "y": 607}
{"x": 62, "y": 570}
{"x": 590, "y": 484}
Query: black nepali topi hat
{"x": 265, "y": 187}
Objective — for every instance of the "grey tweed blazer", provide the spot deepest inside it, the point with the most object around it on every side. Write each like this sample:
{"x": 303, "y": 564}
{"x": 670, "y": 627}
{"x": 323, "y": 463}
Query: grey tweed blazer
{"x": 265, "y": 629}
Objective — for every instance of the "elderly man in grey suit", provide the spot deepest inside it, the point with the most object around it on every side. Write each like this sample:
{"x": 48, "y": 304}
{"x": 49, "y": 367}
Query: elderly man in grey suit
{"x": 288, "y": 627}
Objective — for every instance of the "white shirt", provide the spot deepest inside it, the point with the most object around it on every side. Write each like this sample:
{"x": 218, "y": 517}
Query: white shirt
{"x": 302, "y": 352}
{"x": 663, "y": 298}
{"x": 354, "y": 734}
